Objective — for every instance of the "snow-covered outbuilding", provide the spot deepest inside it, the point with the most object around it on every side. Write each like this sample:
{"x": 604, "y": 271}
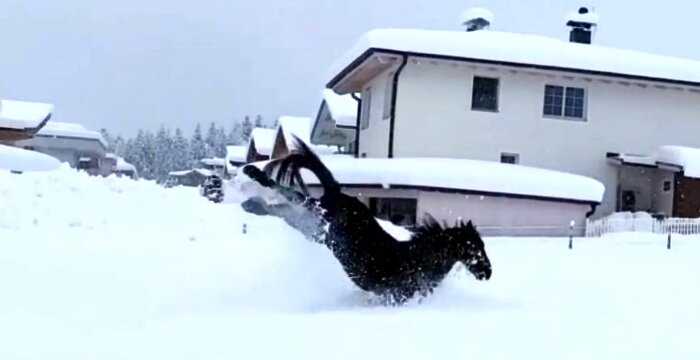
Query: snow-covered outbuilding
{"x": 236, "y": 155}
{"x": 541, "y": 202}
{"x": 194, "y": 177}
{"x": 520, "y": 98}
{"x": 215, "y": 165}
{"x": 260, "y": 146}
{"x": 119, "y": 166}
{"x": 72, "y": 143}
{"x": 289, "y": 127}
{"x": 21, "y": 119}
{"x": 335, "y": 121}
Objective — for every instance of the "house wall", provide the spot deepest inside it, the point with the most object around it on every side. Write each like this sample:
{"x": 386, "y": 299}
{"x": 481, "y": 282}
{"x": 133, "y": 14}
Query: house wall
{"x": 434, "y": 118}
{"x": 374, "y": 141}
{"x": 663, "y": 199}
{"x": 65, "y": 149}
{"x": 493, "y": 215}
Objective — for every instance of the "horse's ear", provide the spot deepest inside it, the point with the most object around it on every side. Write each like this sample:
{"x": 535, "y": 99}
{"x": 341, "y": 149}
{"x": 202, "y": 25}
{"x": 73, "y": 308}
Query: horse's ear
{"x": 470, "y": 225}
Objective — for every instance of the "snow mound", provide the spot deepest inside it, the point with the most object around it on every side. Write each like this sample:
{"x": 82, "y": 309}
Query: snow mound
{"x": 16, "y": 159}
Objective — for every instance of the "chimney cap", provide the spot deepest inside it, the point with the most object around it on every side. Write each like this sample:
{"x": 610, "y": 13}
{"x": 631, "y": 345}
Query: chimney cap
{"x": 476, "y": 18}
{"x": 583, "y": 15}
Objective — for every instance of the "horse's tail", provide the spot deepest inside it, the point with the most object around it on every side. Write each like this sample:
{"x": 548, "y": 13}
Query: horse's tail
{"x": 302, "y": 157}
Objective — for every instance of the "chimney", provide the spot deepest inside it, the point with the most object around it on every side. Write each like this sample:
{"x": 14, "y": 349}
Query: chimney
{"x": 476, "y": 19}
{"x": 582, "y": 24}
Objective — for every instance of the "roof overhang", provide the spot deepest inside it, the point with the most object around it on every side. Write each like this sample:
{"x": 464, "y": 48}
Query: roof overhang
{"x": 376, "y": 60}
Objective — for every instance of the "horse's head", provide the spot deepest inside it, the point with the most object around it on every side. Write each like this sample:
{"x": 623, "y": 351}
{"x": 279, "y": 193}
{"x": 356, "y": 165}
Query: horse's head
{"x": 472, "y": 251}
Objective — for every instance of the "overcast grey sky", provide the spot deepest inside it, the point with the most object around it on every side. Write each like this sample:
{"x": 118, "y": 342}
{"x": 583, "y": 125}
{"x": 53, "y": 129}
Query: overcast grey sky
{"x": 133, "y": 64}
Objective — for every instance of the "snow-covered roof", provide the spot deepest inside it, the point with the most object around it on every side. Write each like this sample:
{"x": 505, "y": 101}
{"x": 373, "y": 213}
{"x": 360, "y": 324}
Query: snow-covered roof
{"x": 213, "y": 161}
{"x": 264, "y": 140}
{"x": 522, "y": 50}
{"x": 54, "y": 128}
{"x": 16, "y": 159}
{"x": 122, "y": 165}
{"x": 203, "y": 172}
{"x": 295, "y": 125}
{"x": 686, "y": 157}
{"x": 22, "y": 114}
{"x": 463, "y": 174}
{"x": 343, "y": 108}
{"x": 236, "y": 153}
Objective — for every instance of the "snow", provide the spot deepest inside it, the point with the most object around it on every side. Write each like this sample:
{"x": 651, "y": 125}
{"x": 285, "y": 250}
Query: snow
{"x": 295, "y": 125}
{"x": 22, "y": 114}
{"x": 300, "y": 127}
{"x": 687, "y": 157}
{"x": 236, "y": 153}
{"x": 16, "y": 159}
{"x": 264, "y": 140}
{"x": 164, "y": 274}
{"x": 343, "y": 108}
{"x": 476, "y": 13}
{"x": 524, "y": 49}
{"x": 123, "y": 165}
{"x": 203, "y": 172}
{"x": 214, "y": 162}
{"x": 591, "y": 17}
{"x": 463, "y": 174}
{"x": 54, "y": 128}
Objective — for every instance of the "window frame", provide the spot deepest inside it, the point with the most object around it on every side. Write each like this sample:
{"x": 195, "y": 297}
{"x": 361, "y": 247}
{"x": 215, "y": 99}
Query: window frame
{"x": 388, "y": 94}
{"x": 376, "y": 204}
{"x": 584, "y": 109}
{"x": 366, "y": 108}
{"x": 498, "y": 93}
{"x": 515, "y": 156}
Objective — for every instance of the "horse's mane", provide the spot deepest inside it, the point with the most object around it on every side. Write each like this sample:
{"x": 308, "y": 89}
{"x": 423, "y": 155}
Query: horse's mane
{"x": 430, "y": 227}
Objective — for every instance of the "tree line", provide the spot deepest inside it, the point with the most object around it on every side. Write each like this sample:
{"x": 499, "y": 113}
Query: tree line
{"x": 155, "y": 155}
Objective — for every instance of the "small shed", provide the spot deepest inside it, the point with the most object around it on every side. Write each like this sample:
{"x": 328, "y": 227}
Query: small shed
{"x": 335, "y": 121}
{"x": 194, "y": 177}
{"x": 260, "y": 146}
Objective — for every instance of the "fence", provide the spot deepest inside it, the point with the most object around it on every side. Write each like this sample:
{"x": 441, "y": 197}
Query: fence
{"x": 597, "y": 228}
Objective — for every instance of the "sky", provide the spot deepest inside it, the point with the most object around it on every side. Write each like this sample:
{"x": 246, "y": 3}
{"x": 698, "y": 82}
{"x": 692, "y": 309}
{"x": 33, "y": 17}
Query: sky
{"x": 130, "y": 64}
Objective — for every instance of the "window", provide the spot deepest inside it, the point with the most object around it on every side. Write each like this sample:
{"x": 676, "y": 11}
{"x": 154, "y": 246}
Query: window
{"x": 398, "y": 211}
{"x": 366, "y": 106}
{"x": 510, "y": 158}
{"x": 564, "y": 102}
{"x": 485, "y": 94}
{"x": 388, "y": 92}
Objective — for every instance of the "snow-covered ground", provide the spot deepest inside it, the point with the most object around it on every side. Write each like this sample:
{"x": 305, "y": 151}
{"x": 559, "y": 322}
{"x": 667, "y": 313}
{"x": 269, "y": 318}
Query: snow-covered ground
{"x": 95, "y": 268}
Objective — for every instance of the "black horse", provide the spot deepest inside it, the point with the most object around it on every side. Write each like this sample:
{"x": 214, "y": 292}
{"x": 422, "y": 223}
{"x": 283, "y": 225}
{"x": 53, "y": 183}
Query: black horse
{"x": 373, "y": 259}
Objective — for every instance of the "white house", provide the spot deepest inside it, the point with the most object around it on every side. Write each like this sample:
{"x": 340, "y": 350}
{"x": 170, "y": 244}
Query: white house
{"x": 570, "y": 106}
{"x": 72, "y": 143}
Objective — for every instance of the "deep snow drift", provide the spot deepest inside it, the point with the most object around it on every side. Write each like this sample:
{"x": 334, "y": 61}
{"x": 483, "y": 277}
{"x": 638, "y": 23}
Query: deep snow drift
{"x": 112, "y": 268}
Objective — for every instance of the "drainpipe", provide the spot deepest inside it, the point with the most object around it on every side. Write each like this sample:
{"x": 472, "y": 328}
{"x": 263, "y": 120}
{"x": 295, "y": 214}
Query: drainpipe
{"x": 593, "y": 208}
{"x": 357, "y": 124}
{"x": 394, "y": 91}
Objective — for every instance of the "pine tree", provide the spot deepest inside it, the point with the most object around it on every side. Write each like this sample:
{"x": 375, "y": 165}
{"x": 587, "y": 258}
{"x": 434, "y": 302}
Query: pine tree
{"x": 198, "y": 148}
{"x": 220, "y": 144}
{"x": 108, "y": 138}
{"x": 259, "y": 121}
{"x": 235, "y": 136}
{"x": 246, "y": 129}
{"x": 211, "y": 140}
{"x": 119, "y": 146}
{"x": 163, "y": 154}
{"x": 180, "y": 152}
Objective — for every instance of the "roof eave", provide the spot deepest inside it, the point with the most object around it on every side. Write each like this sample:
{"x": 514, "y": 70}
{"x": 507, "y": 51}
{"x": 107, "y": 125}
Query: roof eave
{"x": 344, "y": 74}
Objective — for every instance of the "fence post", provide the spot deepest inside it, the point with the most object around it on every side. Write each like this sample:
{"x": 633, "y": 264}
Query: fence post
{"x": 571, "y": 234}
{"x": 245, "y": 228}
{"x": 668, "y": 243}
